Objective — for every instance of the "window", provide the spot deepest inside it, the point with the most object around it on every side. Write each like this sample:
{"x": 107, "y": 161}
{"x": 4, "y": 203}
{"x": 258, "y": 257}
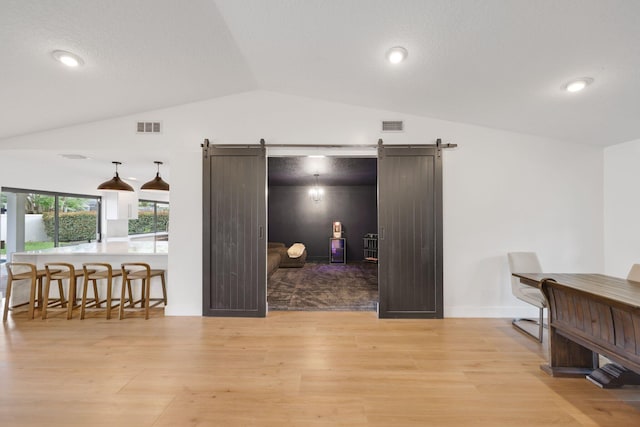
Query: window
{"x": 48, "y": 219}
{"x": 77, "y": 220}
{"x": 153, "y": 220}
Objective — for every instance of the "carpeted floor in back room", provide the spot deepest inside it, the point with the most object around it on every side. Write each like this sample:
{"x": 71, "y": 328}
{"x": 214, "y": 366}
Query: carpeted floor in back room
{"x": 324, "y": 287}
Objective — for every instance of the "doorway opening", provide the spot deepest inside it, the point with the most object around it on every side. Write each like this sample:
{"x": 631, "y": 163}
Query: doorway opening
{"x": 328, "y": 205}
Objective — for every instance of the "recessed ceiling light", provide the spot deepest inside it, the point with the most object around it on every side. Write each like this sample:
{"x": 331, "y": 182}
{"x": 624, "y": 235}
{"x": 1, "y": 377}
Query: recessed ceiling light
{"x": 578, "y": 84}
{"x": 316, "y": 156}
{"x": 397, "y": 54}
{"x": 132, "y": 178}
{"x": 67, "y": 58}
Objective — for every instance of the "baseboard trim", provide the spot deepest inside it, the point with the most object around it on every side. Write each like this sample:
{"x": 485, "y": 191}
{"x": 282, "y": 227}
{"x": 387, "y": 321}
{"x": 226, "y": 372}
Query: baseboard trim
{"x": 491, "y": 312}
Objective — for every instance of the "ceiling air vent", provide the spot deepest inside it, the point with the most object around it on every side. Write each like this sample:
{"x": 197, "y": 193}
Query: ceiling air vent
{"x": 148, "y": 127}
{"x": 392, "y": 126}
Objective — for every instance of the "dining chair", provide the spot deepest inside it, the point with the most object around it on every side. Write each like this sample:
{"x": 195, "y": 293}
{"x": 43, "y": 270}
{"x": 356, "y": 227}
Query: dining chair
{"x": 527, "y": 262}
{"x": 634, "y": 273}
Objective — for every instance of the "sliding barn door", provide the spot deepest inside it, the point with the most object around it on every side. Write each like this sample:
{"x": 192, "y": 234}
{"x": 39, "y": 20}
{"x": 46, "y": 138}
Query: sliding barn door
{"x": 234, "y": 214}
{"x": 410, "y": 232}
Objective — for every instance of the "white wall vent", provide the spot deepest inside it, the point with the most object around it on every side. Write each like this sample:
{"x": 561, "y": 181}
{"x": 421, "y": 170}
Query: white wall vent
{"x": 148, "y": 127}
{"x": 392, "y": 126}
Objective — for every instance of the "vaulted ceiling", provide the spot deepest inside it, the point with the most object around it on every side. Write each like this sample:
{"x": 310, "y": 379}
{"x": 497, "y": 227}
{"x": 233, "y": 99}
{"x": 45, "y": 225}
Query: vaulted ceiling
{"x": 496, "y": 63}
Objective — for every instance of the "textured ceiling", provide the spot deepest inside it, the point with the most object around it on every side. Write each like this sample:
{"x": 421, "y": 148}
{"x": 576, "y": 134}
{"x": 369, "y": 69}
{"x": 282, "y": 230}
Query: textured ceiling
{"x": 489, "y": 62}
{"x": 139, "y": 55}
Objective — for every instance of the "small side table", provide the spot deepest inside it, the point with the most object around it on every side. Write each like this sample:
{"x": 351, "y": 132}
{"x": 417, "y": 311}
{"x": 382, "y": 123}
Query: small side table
{"x": 337, "y": 250}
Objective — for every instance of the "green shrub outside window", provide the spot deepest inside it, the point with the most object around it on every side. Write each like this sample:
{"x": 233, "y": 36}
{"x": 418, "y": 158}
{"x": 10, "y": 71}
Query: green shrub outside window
{"x": 72, "y": 226}
{"x": 144, "y": 223}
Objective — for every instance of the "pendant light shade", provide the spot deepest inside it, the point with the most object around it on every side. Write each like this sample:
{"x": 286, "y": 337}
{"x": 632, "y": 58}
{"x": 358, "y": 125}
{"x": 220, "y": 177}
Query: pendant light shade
{"x": 156, "y": 184}
{"x": 115, "y": 183}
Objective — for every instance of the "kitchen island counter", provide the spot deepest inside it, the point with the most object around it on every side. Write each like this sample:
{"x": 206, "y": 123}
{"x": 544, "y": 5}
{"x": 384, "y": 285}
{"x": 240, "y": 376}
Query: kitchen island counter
{"x": 154, "y": 253}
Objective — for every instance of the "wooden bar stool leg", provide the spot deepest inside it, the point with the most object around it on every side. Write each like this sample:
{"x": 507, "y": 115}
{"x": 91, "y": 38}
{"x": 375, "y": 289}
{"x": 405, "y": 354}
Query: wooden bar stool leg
{"x": 146, "y": 284}
{"x": 131, "y": 300}
{"x": 83, "y": 303}
{"x": 71, "y": 300}
{"x": 7, "y": 298}
{"x": 164, "y": 288}
{"x": 45, "y": 298}
{"x": 109, "y": 284}
{"x": 130, "y": 293}
{"x": 122, "y": 291}
{"x": 63, "y": 300}
{"x": 143, "y": 294}
{"x": 95, "y": 293}
{"x": 40, "y": 292}
{"x": 32, "y": 294}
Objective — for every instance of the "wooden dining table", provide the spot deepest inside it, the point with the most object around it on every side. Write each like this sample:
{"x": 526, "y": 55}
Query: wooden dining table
{"x": 591, "y": 315}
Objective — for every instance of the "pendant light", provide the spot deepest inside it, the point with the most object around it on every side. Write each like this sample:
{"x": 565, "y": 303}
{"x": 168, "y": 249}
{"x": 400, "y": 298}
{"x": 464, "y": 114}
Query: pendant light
{"x": 115, "y": 183}
{"x": 156, "y": 184}
{"x": 316, "y": 192}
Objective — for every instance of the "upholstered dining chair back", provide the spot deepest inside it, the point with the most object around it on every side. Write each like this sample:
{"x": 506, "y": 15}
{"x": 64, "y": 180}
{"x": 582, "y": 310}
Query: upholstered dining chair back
{"x": 527, "y": 262}
{"x": 522, "y": 262}
{"x": 634, "y": 273}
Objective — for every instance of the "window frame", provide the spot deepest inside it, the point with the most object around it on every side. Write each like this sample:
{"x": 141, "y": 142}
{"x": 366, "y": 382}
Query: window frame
{"x": 56, "y": 209}
{"x": 155, "y": 215}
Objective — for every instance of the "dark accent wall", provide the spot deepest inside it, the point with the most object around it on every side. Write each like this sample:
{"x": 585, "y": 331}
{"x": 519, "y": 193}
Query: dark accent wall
{"x": 294, "y": 217}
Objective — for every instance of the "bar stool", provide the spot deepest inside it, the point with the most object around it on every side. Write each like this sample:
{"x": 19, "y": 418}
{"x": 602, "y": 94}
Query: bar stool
{"x": 100, "y": 271}
{"x": 60, "y": 271}
{"x": 142, "y": 271}
{"x": 30, "y": 272}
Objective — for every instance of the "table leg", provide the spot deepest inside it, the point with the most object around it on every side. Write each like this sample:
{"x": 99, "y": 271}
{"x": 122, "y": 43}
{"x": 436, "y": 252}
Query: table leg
{"x": 568, "y": 358}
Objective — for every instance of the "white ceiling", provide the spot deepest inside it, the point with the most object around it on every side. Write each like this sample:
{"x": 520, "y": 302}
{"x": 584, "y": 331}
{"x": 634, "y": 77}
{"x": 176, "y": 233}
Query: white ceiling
{"x": 495, "y": 63}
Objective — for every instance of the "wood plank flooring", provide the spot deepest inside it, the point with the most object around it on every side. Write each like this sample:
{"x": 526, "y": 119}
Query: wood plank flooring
{"x": 291, "y": 368}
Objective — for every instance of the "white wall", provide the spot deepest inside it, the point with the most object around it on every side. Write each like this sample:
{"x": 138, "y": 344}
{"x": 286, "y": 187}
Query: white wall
{"x": 622, "y": 207}
{"x": 505, "y": 192}
{"x": 502, "y": 191}
{"x": 34, "y": 230}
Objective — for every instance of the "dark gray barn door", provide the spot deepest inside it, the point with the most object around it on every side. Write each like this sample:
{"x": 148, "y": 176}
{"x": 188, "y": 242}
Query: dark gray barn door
{"x": 410, "y": 232}
{"x": 234, "y": 215}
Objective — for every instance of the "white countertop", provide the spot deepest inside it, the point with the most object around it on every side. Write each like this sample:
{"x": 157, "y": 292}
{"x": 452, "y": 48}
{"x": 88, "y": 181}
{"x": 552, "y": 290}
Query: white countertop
{"x": 107, "y": 248}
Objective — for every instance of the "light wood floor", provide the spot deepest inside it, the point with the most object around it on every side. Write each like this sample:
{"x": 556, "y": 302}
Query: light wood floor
{"x": 292, "y": 368}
